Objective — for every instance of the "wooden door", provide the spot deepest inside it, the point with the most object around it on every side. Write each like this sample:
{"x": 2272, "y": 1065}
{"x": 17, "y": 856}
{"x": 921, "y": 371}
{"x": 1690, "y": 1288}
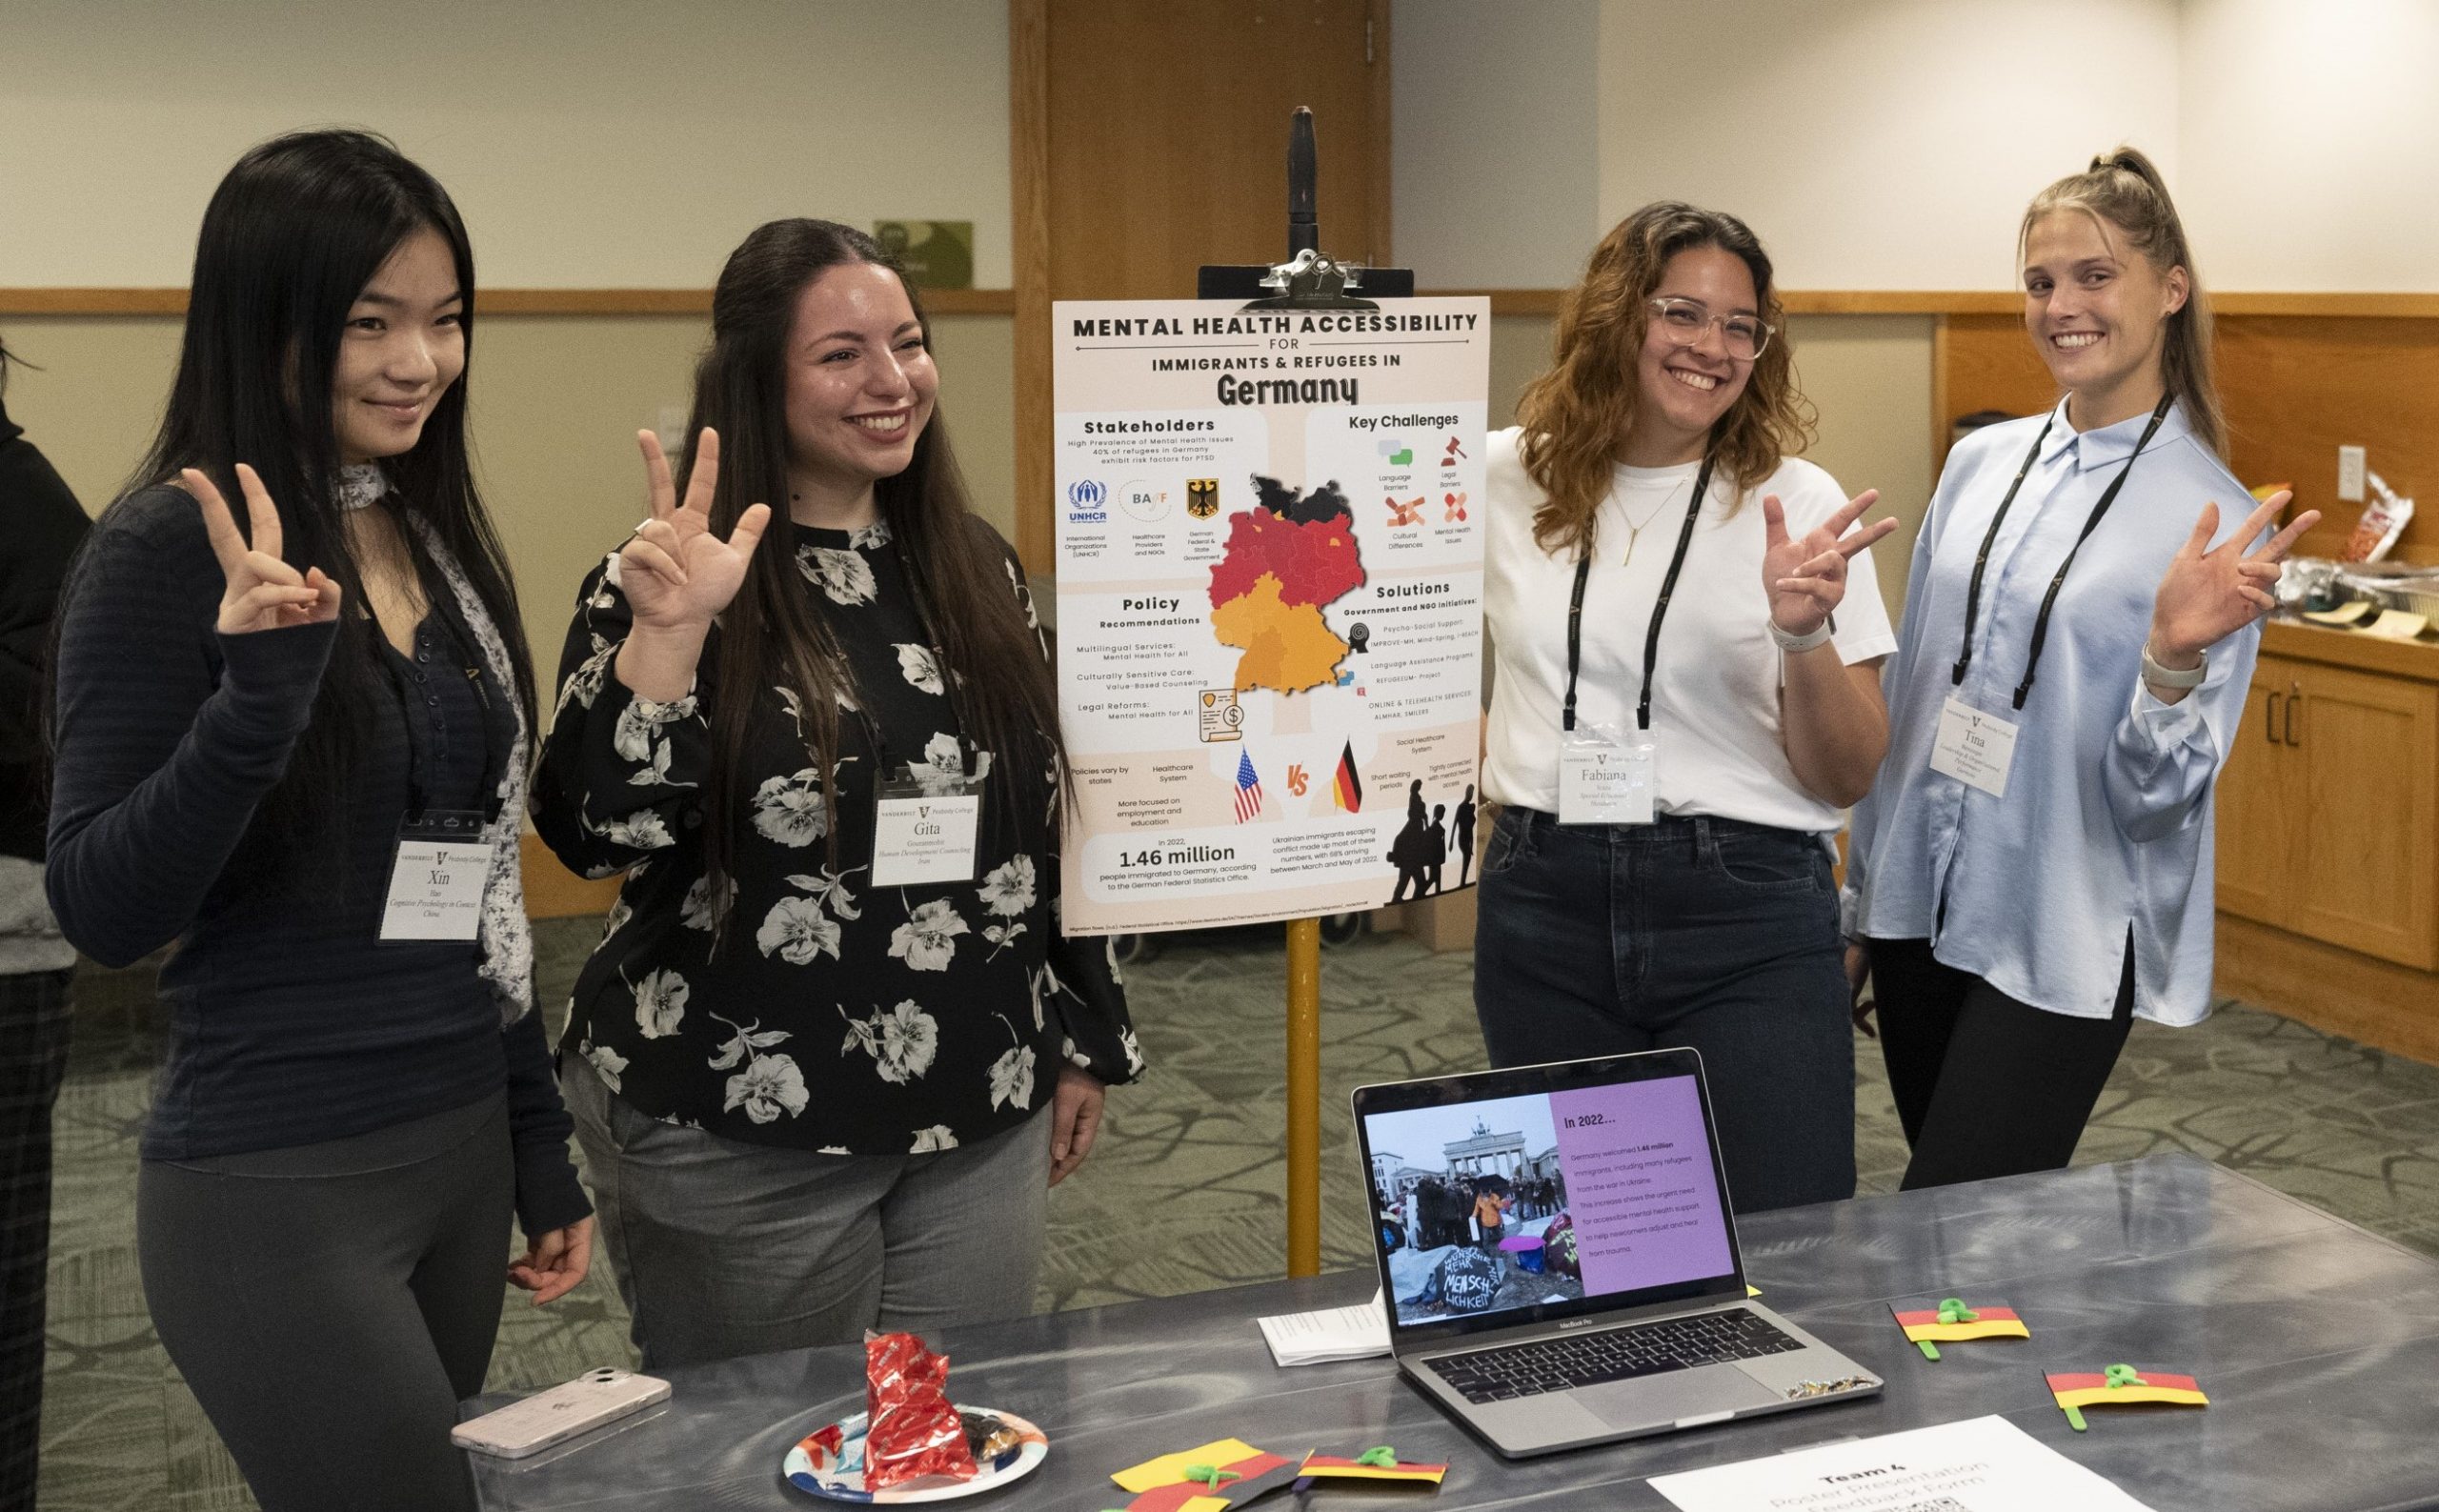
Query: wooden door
{"x": 1150, "y": 138}
{"x": 2256, "y": 803}
{"x": 2364, "y": 875}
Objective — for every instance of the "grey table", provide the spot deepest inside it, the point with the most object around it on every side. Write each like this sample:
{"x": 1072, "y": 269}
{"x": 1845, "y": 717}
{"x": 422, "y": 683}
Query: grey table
{"x": 2317, "y": 1342}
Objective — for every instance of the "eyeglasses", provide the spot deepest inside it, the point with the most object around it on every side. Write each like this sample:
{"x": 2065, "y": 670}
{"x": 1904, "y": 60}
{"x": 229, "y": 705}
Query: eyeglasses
{"x": 1685, "y": 320}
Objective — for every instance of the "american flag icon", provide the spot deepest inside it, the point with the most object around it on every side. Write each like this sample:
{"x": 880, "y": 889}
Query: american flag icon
{"x": 1248, "y": 788}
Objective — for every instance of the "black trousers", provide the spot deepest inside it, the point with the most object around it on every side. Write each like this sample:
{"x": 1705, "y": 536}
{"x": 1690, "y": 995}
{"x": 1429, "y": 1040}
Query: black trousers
{"x": 330, "y": 1305}
{"x": 1987, "y": 1085}
{"x": 34, "y": 1054}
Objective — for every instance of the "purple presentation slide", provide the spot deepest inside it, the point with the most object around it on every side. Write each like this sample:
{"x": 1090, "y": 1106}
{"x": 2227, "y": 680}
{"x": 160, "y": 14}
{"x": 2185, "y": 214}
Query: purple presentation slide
{"x": 1639, "y": 1184}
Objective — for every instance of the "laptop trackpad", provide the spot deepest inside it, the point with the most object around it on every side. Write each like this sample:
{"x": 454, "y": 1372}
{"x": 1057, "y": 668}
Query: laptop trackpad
{"x": 1673, "y": 1396}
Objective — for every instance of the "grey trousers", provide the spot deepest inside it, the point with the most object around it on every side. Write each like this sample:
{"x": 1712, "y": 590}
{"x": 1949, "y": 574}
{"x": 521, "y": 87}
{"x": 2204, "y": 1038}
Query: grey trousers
{"x": 331, "y": 1305}
{"x": 723, "y": 1248}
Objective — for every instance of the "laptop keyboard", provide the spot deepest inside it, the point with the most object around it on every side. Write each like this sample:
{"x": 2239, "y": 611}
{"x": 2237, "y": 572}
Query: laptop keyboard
{"x": 1613, "y": 1354}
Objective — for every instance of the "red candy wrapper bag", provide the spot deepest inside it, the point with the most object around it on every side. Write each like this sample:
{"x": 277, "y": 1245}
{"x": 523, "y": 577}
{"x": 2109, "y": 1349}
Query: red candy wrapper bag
{"x": 911, "y": 1431}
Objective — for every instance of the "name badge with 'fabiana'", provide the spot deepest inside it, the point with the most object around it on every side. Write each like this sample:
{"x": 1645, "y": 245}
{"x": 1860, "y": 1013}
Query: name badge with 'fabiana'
{"x": 1602, "y": 782}
{"x": 1975, "y": 748}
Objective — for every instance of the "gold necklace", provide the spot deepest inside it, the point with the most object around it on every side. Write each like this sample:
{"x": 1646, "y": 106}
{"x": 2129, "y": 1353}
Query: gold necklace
{"x": 1634, "y": 530}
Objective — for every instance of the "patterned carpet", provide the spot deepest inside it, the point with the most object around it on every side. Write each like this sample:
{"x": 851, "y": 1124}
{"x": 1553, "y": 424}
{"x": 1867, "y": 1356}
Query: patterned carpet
{"x": 1185, "y": 1192}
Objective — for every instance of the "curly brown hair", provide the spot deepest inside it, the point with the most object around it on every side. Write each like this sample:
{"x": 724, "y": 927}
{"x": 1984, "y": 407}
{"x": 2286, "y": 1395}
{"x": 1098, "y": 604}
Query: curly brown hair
{"x": 1576, "y": 415}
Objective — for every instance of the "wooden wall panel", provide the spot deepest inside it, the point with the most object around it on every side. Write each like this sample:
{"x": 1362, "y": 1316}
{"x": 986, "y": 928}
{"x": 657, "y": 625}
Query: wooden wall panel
{"x": 1029, "y": 215}
{"x": 1150, "y": 138}
{"x": 2295, "y": 388}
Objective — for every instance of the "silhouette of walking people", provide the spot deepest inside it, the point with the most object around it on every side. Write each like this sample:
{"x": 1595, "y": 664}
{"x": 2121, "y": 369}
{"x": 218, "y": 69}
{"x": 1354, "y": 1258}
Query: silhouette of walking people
{"x": 1411, "y": 853}
{"x": 1466, "y": 838}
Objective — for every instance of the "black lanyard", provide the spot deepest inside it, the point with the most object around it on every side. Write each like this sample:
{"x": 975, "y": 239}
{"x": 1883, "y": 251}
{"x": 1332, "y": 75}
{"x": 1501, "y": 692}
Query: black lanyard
{"x": 1659, "y": 611}
{"x": 2048, "y": 600}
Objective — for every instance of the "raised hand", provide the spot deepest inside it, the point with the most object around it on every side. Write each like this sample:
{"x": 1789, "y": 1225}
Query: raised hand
{"x": 2207, "y": 595}
{"x": 263, "y": 592}
{"x": 677, "y": 575}
{"x": 1805, "y": 576}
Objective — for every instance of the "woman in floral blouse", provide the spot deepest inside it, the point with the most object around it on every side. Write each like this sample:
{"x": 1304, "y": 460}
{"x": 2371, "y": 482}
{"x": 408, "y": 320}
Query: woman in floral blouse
{"x": 811, "y": 1103}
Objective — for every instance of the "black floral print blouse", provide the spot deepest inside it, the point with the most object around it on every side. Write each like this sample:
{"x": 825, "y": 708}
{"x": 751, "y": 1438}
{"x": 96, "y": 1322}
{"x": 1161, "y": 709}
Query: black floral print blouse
{"x": 831, "y": 1017}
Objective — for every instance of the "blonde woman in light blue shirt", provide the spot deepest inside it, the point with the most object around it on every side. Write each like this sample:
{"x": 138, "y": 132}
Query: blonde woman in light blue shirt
{"x": 2032, "y": 870}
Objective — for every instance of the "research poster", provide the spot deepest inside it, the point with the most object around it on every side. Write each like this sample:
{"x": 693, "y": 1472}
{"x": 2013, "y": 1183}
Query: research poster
{"x": 1269, "y": 608}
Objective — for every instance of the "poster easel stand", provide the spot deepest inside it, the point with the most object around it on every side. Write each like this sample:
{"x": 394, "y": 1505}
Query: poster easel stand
{"x": 1307, "y": 280}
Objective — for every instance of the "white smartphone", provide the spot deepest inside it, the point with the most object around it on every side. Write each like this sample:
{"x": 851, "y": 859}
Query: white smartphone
{"x": 560, "y": 1414}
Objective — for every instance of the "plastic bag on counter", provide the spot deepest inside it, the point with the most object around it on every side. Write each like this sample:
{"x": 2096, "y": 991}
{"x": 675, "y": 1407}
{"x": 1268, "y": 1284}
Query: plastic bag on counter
{"x": 2384, "y": 520}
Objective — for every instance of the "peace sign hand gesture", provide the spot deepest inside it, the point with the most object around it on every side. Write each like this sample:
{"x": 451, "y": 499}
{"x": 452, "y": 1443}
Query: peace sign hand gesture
{"x": 262, "y": 592}
{"x": 1805, "y": 576}
{"x": 2207, "y": 595}
{"x": 677, "y": 575}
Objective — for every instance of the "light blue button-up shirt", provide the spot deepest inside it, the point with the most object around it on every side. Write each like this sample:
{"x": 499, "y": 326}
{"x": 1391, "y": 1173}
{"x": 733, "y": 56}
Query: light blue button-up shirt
{"x": 2104, "y": 827}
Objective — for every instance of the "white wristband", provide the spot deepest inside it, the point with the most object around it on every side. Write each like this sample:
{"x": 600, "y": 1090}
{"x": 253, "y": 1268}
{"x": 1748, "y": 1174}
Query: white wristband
{"x": 1819, "y": 635}
{"x": 2159, "y": 676}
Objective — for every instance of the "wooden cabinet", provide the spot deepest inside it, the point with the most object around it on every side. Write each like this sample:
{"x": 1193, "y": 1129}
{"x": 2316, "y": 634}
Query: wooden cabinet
{"x": 2255, "y": 807}
{"x": 2328, "y": 835}
{"x": 2325, "y": 821}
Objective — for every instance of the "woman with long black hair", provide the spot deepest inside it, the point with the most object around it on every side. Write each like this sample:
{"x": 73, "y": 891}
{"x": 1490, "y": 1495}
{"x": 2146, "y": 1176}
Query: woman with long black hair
{"x": 295, "y": 749}
{"x": 811, "y": 1060}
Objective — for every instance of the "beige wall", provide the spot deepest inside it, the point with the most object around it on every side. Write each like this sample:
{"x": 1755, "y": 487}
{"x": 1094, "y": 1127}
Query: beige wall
{"x": 1871, "y": 378}
{"x": 2308, "y": 135}
{"x": 588, "y": 143}
{"x": 1893, "y": 144}
{"x": 556, "y": 403}
{"x": 1881, "y": 144}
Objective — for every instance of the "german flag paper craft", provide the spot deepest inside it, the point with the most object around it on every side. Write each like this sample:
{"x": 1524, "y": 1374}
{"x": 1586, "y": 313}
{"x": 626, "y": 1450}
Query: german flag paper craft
{"x": 1949, "y": 1321}
{"x": 1372, "y": 1464}
{"x": 1208, "y": 1477}
{"x": 2122, "y": 1386}
{"x": 1347, "y": 788}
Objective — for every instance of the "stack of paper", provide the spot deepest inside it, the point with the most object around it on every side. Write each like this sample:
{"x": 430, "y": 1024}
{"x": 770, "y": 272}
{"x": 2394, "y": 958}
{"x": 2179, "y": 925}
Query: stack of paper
{"x": 1334, "y": 1333}
{"x": 1984, "y": 1464}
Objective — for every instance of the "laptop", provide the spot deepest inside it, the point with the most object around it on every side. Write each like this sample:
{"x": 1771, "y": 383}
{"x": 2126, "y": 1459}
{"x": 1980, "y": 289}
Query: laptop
{"x": 1558, "y": 1260}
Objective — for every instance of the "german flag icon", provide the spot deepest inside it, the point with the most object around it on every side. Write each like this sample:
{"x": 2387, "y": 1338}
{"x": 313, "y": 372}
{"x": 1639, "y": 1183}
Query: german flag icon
{"x": 1951, "y": 1321}
{"x": 1346, "y": 787}
{"x": 2122, "y": 1386}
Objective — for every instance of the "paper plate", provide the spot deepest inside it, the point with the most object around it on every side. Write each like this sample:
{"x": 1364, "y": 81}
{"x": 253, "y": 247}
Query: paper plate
{"x": 833, "y": 1468}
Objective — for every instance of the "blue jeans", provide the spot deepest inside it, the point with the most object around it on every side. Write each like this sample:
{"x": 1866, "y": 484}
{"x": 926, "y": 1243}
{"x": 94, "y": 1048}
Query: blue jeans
{"x": 1714, "y": 934}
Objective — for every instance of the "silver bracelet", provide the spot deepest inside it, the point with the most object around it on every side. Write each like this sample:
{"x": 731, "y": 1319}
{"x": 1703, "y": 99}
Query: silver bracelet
{"x": 2159, "y": 676}
{"x": 1819, "y": 635}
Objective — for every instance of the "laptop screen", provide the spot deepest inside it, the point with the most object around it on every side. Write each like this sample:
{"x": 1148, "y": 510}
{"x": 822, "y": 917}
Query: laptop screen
{"x": 1495, "y": 1208}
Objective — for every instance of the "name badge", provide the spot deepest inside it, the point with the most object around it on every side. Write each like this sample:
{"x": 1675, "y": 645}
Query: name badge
{"x": 437, "y": 877}
{"x": 926, "y": 832}
{"x": 1606, "y": 782}
{"x": 1975, "y": 748}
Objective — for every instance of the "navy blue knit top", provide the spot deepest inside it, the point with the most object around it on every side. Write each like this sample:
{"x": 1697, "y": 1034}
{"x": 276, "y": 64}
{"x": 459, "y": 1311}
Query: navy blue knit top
{"x": 291, "y": 1023}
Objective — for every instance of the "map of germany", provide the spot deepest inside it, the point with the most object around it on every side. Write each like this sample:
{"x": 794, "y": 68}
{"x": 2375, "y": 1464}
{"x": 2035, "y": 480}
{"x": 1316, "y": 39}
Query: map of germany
{"x": 1287, "y": 557}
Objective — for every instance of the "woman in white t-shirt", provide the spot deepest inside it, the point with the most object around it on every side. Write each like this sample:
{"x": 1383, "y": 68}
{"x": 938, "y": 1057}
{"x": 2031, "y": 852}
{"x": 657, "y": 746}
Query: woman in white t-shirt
{"x": 1676, "y": 719}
